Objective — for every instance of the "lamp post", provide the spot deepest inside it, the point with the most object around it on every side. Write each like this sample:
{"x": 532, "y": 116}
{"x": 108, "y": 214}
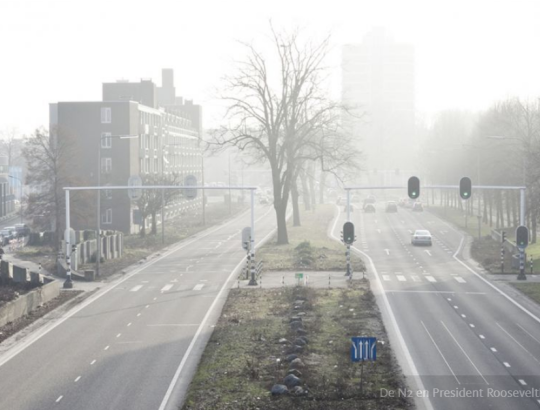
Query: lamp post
{"x": 479, "y": 216}
{"x": 98, "y": 231}
{"x": 21, "y": 195}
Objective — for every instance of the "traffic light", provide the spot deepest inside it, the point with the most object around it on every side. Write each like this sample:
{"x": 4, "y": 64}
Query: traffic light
{"x": 348, "y": 233}
{"x": 414, "y": 187}
{"x": 503, "y": 236}
{"x": 522, "y": 236}
{"x": 465, "y": 187}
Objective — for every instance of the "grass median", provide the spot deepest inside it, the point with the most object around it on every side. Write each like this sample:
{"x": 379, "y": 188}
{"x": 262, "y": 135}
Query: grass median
{"x": 249, "y": 353}
{"x": 309, "y": 246}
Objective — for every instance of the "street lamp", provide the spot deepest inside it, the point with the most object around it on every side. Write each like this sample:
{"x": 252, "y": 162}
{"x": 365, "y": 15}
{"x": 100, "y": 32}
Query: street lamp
{"x": 21, "y": 195}
{"x": 98, "y": 231}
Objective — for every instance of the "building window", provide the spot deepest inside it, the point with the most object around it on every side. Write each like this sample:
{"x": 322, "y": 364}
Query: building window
{"x": 106, "y": 218}
{"x": 105, "y": 115}
{"x": 106, "y": 140}
{"x": 106, "y": 165}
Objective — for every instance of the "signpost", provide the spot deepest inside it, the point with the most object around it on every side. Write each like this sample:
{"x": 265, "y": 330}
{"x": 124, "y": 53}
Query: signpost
{"x": 299, "y": 276}
{"x": 135, "y": 193}
{"x": 522, "y": 240}
{"x": 363, "y": 349}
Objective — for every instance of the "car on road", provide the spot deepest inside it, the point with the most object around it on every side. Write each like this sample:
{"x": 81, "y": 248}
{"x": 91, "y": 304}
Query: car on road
{"x": 417, "y": 207}
{"x": 264, "y": 200}
{"x": 391, "y": 207}
{"x": 369, "y": 208}
{"x": 421, "y": 237}
{"x": 7, "y": 235}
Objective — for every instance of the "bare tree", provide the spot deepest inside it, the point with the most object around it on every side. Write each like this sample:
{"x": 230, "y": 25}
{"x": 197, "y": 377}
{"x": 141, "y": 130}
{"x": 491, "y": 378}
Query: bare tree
{"x": 10, "y": 139}
{"x": 151, "y": 203}
{"x": 284, "y": 116}
{"x": 51, "y": 161}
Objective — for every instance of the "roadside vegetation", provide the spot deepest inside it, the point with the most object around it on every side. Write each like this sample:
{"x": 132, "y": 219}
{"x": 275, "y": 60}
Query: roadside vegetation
{"x": 251, "y": 346}
{"x": 309, "y": 246}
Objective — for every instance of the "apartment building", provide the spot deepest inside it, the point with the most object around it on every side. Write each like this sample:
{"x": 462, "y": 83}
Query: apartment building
{"x": 163, "y": 139}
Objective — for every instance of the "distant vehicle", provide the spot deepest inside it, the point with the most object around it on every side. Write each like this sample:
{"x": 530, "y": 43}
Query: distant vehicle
{"x": 6, "y": 235}
{"x": 345, "y": 208}
{"x": 355, "y": 199}
{"x": 12, "y": 231}
{"x": 421, "y": 237}
{"x": 370, "y": 200}
{"x": 22, "y": 230}
{"x": 369, "y": 208}
{"x": 417, "y": 207}
{"x": 391, "y": 206}
{"x": 263, "y": 200}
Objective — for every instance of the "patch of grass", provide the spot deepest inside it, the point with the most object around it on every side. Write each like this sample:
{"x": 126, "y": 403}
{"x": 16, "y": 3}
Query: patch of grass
{"x": 322, "y": 254}
{"x": 244, "y": 358}
{"x": 531, "y": 289}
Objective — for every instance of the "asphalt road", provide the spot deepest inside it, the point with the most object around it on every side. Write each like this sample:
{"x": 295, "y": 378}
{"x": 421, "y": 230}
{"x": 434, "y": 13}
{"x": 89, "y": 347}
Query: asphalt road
{"x": 134, "y": 344}
{"x": 455, "y": 333}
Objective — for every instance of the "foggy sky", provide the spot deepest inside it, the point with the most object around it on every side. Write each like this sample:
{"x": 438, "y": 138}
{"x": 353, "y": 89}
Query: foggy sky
{"x": 468, "y": 53}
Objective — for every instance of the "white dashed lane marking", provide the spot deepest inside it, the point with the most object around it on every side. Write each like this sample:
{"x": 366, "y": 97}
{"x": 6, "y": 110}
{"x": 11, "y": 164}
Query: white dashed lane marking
{"x": 199, "y": 286}
{"x": 431, "y": 279}
{"x": 401, "y": 278}
{"x": 136, "y": 288}
{"x": 166, "y": 288}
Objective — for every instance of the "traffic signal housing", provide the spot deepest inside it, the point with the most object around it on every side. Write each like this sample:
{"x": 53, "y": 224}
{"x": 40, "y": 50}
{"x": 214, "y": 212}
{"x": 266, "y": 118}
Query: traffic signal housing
{"x": 522, "y": 236}
{"x": 348, "y": 233}
{"x": 503, "y": 236}
{"x": 465, "y": 188}
{"x": 413, "y": 187}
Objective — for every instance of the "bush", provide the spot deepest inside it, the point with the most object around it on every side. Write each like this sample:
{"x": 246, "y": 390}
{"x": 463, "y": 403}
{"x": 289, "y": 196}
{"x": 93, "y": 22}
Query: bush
{"x": 304, "y": 254}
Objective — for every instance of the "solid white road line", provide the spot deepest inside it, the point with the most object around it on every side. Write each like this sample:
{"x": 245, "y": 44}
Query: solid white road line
{"x": 464, "y": 352}
{"x": 166, "y": 288}
{"x": 136, "y": 288}
{"x": 198, "y": 286}
{"x": 519, "y": 344}
{"x": 439, "y": 350}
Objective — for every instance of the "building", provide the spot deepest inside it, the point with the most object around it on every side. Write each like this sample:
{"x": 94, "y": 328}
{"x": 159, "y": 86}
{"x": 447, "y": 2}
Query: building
{"x": 7, "y": 199}
{"x": 378, "y": 86}
{"x": 165, "y": 139}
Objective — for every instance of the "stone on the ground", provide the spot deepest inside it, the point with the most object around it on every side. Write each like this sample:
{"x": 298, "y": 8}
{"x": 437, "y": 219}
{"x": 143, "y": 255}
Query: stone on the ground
{"x": 291, "y": 357}
{"x": 296, "y": 372}
{"x": 279, "y": 390}
{"x": 297, "y": 364}
{"x": 291, "y": 381}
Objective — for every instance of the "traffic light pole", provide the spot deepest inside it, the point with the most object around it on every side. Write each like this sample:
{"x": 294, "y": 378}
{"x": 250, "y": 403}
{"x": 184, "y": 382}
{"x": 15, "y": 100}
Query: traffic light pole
{"x": 521, "y": 275}
{"x": 68, "y": 284}
{"x": 348, "y": 255}
{"x": 348, "y": 205}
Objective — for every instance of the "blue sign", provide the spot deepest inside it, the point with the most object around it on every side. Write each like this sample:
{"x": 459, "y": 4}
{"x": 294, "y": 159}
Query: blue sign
{"x": 363, "y": 348}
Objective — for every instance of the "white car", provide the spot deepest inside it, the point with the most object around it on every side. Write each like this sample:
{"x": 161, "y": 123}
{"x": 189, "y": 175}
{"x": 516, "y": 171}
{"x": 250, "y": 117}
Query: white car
{"x": 421, "y": 237}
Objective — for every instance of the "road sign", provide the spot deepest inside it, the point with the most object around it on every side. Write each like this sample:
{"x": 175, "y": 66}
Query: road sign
{"x": 363, "y": 349}
{"x": 190, "y": 180}
{"x": 246, "y": 238}
{"x": 135, "y": 193}
{"x": 299, "y": 275}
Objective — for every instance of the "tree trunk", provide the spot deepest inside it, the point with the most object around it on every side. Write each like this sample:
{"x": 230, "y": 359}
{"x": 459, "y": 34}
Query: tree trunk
{"x": 322, "y": 187}
{"x": 305, "y": 192}
{"x": 312, "y": 194}
{"x": 154, "y": 226}
{"x": 296, "y": 208}
{"x": 281, "y": 212}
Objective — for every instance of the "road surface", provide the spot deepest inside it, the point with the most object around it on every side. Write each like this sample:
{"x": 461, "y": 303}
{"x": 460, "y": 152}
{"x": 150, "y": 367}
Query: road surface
{"x": 454, "y": 332}
{"x": 135, "y": 344}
